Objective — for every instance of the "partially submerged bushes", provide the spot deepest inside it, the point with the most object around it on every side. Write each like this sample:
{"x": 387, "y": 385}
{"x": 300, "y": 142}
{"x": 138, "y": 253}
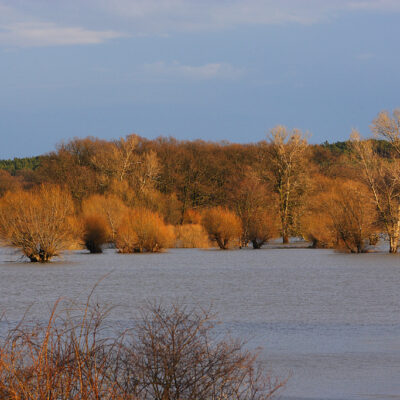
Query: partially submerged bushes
{"x": 171, "y": 354}
{"x": 141, "y": 231}
{"x": 223, "y": 226}
{"x": 343, "y": 217}
{"x": 95, "y": 233}
{"x": 192, "y": 236}
{"x": 38, "y": 222}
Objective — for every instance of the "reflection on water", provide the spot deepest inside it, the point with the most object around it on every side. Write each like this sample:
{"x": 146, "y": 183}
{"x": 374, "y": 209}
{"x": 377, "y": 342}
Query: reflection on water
{"x": 331, "y": 319}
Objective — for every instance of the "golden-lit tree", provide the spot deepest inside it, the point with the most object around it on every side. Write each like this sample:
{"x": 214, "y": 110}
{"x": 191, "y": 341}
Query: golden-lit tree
{"x": 344, "y": 216}
{"x": 192, "y": 236}
{"x": 191, "y": 217}
{"x": 353, "y": 216}
{"x": 121, "y": 161}
{"x": 9, "y": 182}
{"x": 261, "y": 227}
{"x": 143, "y": 230}
{"x": 315, "y": 221}
{"x": 382, "y": 176}
{"x": 38, "y": 222}
{"x": 223, "y": 226}
{"x": 255, "y": 205}
{"x": 286, "y": 171}
{"x": 108, "y": 208}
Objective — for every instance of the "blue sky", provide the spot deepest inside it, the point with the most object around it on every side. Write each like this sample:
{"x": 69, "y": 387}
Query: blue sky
{"x": 215, "y": 70}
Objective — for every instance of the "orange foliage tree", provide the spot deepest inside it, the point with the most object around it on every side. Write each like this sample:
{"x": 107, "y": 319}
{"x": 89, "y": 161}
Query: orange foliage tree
{"x": 223, "y": 226}
{"x": 37, "y": 222}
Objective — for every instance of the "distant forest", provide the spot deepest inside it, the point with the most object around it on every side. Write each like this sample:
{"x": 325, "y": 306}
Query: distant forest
{"x": 344, "y": 195}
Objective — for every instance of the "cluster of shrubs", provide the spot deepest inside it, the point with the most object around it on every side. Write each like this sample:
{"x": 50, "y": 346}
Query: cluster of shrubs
{"x": 44, "y": 221}
{"x": 171, "y": 353}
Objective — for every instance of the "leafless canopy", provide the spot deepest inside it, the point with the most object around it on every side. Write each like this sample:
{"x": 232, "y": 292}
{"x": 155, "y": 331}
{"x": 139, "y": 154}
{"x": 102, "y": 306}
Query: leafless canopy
{"x": 170, "y": 354}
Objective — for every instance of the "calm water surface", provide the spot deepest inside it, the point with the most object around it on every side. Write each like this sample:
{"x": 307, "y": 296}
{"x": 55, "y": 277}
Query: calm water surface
{"x": 332, "y": 320}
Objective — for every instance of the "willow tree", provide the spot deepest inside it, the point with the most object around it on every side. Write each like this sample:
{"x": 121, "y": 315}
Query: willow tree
{"x": 285, "y": 165}
{"x": 223, "y": 226}
{"x": 382, "y": 175}
{"x": 37, "y": 222}
{"x": 254, "y": 204}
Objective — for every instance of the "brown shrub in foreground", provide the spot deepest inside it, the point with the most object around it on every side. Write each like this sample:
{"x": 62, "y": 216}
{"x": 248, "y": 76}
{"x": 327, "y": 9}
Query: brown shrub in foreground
{"x": 192, "y": 236}
{"x": 223, "y": 226}
{"x": 143, "y": 230}
{"x": 37, "y": 222}
{"x": 171, "y": 354}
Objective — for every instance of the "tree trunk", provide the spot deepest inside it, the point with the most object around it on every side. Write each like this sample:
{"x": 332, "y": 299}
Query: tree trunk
{"x": 285, "y": 238}
{"x": 394, "y": 242}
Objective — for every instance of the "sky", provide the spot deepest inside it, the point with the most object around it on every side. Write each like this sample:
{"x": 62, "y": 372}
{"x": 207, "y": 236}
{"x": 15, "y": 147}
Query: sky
{"x": 193, "y": 69}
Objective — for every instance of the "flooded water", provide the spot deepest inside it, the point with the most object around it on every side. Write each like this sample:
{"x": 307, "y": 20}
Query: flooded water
{"x": 331, "y": 320}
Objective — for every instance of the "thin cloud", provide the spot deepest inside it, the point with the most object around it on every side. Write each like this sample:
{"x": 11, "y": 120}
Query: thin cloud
{"x": 22, "y": 30}
{"x": 63, "y": 23}
{"x": 165, "y": 16}
{"x": 364, "y": 56}
{"x": 162, "y": 69}
{"x": 375, "y": 5}
{"x": 49, "y": 34}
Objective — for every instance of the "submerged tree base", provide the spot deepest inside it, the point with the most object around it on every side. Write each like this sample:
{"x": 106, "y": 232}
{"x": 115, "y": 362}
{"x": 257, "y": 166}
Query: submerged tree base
{"x": 40, "y": 257}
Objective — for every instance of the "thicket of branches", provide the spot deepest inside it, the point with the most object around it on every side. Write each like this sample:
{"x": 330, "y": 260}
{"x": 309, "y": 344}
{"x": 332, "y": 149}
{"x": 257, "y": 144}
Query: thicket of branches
{"x": 344, "y": 195}
{"x": 171, "y": 353}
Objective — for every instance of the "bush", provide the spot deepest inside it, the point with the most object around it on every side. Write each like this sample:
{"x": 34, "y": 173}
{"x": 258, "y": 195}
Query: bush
{"x": 223, "y": 226}
{"x": 191, "y": 236}
{"x": 110, "y": 208}
{"x": 343, "y": 217}
{"x": 143, "y": 230}
{"x": 191, "y": 217}
{"x": 95, "y": 233}
{"x": 171, "y": 354}
{"x": 261, "y": 227}
{"x": 37, "y": 222}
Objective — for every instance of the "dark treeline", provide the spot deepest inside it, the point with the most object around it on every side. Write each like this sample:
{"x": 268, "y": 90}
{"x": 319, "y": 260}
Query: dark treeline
{"x": 18, "y": 164}
{"x": 340, "y": 195}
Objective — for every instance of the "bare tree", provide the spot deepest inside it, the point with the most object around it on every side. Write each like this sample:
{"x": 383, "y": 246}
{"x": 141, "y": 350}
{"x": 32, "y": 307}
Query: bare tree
{"x": 122, "y": 162}
{"x": 383, "y": 179}
{"x": 387, "y": 127}
{"x": 285, "y": 165}
{"x": 175, "y": 356}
